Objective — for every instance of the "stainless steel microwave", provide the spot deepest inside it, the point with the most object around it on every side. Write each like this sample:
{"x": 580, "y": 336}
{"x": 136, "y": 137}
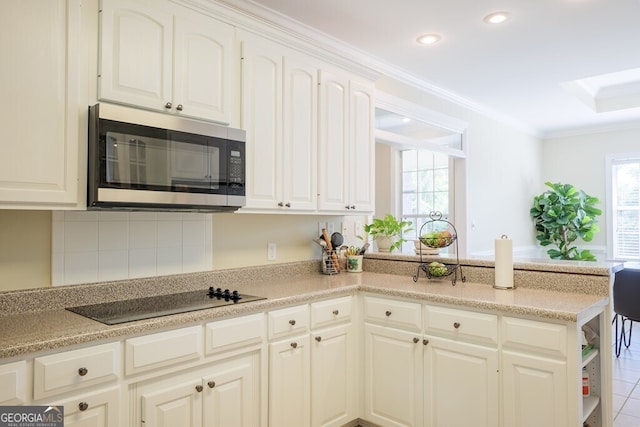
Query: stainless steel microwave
{"x": 142, "y": 160}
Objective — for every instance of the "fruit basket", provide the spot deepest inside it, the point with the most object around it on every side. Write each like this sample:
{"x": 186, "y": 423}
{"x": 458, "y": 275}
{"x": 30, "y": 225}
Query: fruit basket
{"x": 436, "y": 234}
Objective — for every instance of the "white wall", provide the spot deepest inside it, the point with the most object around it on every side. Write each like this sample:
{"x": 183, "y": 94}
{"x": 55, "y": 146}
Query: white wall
{"x": 580, "y": 160}
{"x": 503, "y": 173}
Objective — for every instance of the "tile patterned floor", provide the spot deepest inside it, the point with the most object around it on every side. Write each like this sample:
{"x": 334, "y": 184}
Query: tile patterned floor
{"x": 626, "y": 384}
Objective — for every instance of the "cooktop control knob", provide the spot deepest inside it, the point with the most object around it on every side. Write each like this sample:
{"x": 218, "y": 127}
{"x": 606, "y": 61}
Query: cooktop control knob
{"x": 235, "y": 296}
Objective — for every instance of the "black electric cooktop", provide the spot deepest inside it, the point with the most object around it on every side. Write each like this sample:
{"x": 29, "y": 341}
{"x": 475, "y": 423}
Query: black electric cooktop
{"x": 113, "y": 313}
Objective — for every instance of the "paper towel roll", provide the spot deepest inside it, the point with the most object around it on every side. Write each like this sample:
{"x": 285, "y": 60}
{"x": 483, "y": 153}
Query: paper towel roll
{"x": 504, "y": 263}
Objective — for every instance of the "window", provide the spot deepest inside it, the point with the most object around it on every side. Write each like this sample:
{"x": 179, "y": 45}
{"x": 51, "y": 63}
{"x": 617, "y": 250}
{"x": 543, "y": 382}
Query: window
{"x": 425, "y": 186}
{"x": 625, "y": 207}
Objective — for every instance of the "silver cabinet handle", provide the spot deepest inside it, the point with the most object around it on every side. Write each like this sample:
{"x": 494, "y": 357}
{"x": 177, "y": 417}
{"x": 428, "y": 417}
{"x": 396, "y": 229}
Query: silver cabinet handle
{"x": 318, "y": 338}
{"x": 416, "y": 340}
{"x": 179, "y": 107}
{"x": 336, "y": 312}
{"x": 294, "y": 345}
{"x": 353, "y": 206}
{"x": 456, "y": 325}
{"x": 280, "y": 204}
{"x": 168, "y": 105}
{"x": 425, "y": 342}
{"x": 83, "y": 371}
{"x": 199, "y": 388}
{"x": 292, "y": 322}
{"x": 83, "y": 406}
{"x": 387, "y": 313}
{"x": 288, "y": 204}
{"x": 211, "y": 384}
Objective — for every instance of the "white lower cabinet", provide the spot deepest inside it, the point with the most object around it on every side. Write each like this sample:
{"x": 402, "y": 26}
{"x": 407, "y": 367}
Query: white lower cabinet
{"x": 535, "y": 373}
{"x": 416, "y": 379}
{"x": 333, "y": 383}
{"x": 461, "y": 384}
{"x": 393, "y": 376}
{"x": 290, "y": 382}
{"x": 312, "y": 375}
{"x": 226, "y": 393}
{"x": 530, "y": 384}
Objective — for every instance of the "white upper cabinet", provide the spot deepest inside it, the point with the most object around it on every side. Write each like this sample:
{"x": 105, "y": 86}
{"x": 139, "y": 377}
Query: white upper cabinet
{"x": 346, "y": 141}
{"x": 279, "y": 113}
{"x": 43, "y": 116}
{"x": 167, "y": 59}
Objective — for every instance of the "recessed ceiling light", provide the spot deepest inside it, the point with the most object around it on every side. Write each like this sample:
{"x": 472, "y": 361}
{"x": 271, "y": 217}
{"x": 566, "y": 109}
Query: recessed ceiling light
{"x": 496, "y": 17}
{"x": 429, "y": 38}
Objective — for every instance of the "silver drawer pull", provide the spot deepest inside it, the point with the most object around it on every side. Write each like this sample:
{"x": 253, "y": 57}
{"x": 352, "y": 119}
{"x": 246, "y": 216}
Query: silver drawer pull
{"x": 292, "y": 322}
{"x": 83, "y": 371}
{"x": 387, "y": 313}
{"x": 83, "y": 406}
{"x": 456, "y": 325}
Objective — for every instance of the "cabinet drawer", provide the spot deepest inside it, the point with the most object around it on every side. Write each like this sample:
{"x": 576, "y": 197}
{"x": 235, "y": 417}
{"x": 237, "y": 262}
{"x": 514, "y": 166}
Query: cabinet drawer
{"x": 332, "y": 311}
{"x": 393, "y": 313}
{"x": 288, "y": 321}
{"x": 75, "y": 369}
{"x": 162, "y": 349}
{"x": 233, "y": 333}
{"x": 461, "y": 324}
{"x": 523, "y": 334}
{"x": 13, "y": 380}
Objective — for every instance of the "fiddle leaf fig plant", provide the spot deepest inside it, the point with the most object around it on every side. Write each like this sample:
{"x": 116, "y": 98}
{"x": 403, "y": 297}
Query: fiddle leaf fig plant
{"x": 389, "y": 226}
{"x": 562, "y": 215}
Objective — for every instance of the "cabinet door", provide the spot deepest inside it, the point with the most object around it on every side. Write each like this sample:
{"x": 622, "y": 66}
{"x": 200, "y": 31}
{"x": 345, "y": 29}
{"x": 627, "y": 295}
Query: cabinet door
{"x": 135, "y": 53}
{"x": 333, "y": 153}
{"x": 362, "y": 147}
{"x": 460, "y": 375}
{"x": 393, "y": 377}
{"x": 300, "y": 163}
{"x": 534, "y": 390}
{"x": 262, "y": 120}
{"x": 232, "y": 393}
{"x": 173, "y": 402}
{"x": 203, "y": 68}
{"x": 96, "y": 409}
{"x": 333, "y": 369}
{"x": 41, "y": 113}
{"x": 289, "y": 382}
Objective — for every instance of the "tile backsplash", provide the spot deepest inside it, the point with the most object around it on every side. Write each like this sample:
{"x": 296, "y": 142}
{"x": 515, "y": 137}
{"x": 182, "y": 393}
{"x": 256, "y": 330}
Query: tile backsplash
{"x": 101, "y": 246}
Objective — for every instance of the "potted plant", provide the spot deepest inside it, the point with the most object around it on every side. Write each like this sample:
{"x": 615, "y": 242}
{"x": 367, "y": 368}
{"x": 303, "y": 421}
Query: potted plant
{"x": 387, "y": 232}
{"x": 562, "y": 215}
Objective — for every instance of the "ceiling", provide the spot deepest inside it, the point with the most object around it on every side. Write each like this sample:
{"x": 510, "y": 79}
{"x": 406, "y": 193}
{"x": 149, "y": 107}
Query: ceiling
{"x": 556, "y": 67}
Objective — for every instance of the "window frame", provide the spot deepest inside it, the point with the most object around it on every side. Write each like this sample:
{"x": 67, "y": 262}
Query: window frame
{"x": 611, "y": 160}
{"x": 457, "y": 167}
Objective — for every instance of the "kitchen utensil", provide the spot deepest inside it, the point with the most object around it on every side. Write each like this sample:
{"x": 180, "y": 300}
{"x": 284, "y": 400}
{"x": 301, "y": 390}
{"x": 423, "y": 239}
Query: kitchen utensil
{"x": 337, "y": 239}
{"x": 321, "y": 242}
{"x": 364, "y": 249}
{"x": 334, "y": 257}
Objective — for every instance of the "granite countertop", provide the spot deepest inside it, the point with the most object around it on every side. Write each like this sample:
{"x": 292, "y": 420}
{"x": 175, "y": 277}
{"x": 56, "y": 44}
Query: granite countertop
{"x": 45, "y": 330}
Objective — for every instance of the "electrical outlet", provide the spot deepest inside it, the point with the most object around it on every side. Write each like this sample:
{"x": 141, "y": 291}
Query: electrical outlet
{"x": 358, "y": 230}
{"x": 346, "y": 230}
{"x": 271, "y": 252}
